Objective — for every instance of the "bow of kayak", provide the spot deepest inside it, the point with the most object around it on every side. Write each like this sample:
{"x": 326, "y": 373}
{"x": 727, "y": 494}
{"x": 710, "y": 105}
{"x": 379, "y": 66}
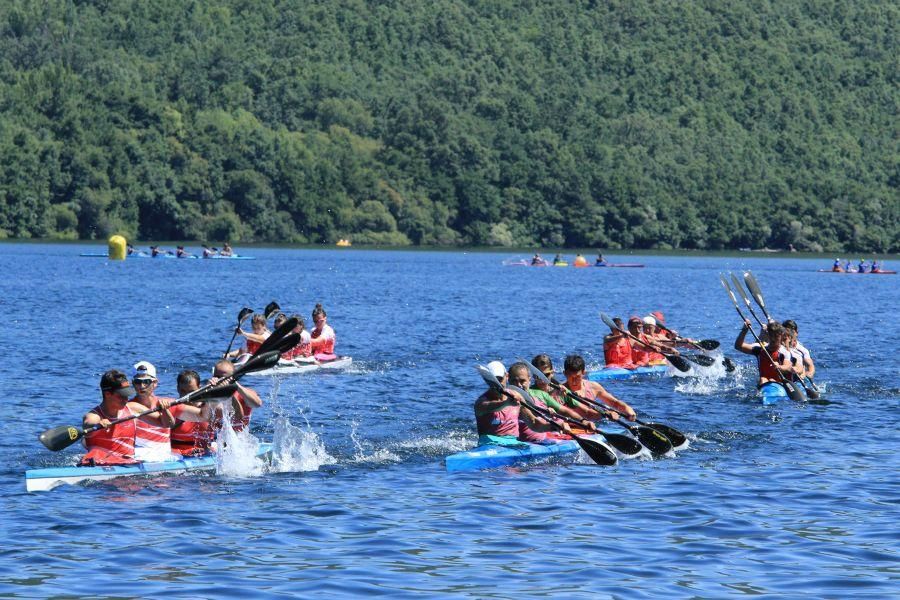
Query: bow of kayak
{"x": 290, "y": 367}
{"x": 490, "y": 456}
{"x": 618, "y": 373}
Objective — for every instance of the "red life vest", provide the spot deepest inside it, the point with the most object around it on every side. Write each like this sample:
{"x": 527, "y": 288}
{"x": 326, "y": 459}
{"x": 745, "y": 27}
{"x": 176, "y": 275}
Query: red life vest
{"x": 252, "y": 346}
{"x": 618, "y": 353}
{"x": 239, "y": 424}
{"x": 190, "y": 438}
{"x": 113, "y": 446}
{"x": 767, "y": 368}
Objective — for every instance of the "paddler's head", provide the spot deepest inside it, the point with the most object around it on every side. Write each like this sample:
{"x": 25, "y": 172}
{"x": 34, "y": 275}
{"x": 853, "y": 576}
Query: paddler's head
{"x": 574, "y": 369}
{"x": 144, "y": 379}
{"x": 258, "y": 322}
{"x": 790, "y": 325}
{"x": 279, "y": 320}
{"x": 301, "y": 324}
{"x": 115, "y": 387}
{"x": 318, "y": 316}
{"x": 776, "y": 334}
{"x": 543, "y": 364}
{"x": 497, "y": 370}
{"x": 188, "y": 381}
{"x": 223, "y": 368}
{"x": 519, "y": 375}
{"x": 634, "y": 325}
{"x": 649, "y": 324}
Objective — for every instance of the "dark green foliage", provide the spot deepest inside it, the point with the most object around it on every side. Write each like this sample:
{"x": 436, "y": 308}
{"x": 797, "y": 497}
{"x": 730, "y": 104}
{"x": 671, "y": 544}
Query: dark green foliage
{"x": 638, "y": 124}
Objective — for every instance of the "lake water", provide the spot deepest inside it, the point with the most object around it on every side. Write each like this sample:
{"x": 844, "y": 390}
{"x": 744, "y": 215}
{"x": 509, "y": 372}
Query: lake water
{"x": 797, "y": 499}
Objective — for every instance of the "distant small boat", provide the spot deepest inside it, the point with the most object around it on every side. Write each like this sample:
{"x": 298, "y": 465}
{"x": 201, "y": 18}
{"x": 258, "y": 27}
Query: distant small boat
{"x": 343, "y": 243}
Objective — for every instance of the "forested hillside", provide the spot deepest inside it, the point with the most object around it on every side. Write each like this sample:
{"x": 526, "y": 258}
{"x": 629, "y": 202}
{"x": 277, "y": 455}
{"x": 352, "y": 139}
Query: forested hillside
{"x": 620, "y": 124}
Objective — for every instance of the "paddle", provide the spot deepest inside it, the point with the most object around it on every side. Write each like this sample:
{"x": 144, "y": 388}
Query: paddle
{"x": 625, "y": 444}
{"x": 792, "y": 391}
{"x": 701, "y": 345}
{"x": 674, "y": 437}
{"x": 599, "y": 452}
{"x": 811, "y": 390}
{"x": 275, "y": 338}
{"x": 271, "y": 310}
{"x": 58, "y": 438}
{"x": 242, "y": 316}
{"x": 677, "y": 361}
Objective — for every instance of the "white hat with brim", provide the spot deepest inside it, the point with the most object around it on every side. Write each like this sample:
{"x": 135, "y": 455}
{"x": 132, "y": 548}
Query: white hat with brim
{"x": 144, "y": 369}
{"x": 497, "y": 369}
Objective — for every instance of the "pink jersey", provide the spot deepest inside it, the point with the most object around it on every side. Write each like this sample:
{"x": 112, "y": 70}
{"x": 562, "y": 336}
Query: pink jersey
{"x": 499, "y": 422}
{"x": 302, "y": 349}
{"x": 526, "y": 433}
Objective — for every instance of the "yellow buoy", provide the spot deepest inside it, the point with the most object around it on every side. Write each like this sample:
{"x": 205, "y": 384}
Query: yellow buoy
{"x": 117, "y": 246}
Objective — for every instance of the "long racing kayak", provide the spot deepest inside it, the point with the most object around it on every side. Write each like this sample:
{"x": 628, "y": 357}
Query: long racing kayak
{"x": 620, "y": 265}
{"x": 618, "y": 373}
{"x": 492, "y": 455}
{"x": 882, "y": 272}
{"x": 168, "y": 256}
{"x": 290, "y": 367}
{"x": 42, "y": 480}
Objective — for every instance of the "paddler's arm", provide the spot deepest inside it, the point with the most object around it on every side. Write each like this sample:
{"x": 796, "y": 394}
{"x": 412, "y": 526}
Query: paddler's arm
{"x": 489, "y": 405}
{"x": 255, "y": 337}
{"x": 249, "y": 395}
{"x": 160, "y": 418}
{"x": 611, "y": 400}
{"x": 541, "y": 424}
{"x": 739, "y": 344}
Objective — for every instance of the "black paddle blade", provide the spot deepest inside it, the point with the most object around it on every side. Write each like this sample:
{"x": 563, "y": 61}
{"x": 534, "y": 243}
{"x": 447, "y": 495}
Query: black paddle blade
{"x": 702, "y": 360}
{"x": 271, "y": 308}
{"x": 258, "y": 363}
{"x": 288, "y": 342}
{"x": 276, "y": 336}
{"x": 599, "y": 452}
{"x": 811, "y": 392}
{"x": 61, "y": 437}
{"x": 656, "y": 442}
{"x": 222, "y": 391}
{"x": 793, "y": 391}
{"x": 625, "y": 444}
{"x": 678, "y": 362}
{"x": 245, "y": 312}
{"x": 709, "y": 344}
{"x": 729, "y": 364}
{"x": 677, "y": 438}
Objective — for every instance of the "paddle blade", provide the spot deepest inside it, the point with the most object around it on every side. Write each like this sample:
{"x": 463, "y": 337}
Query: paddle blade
{"x": 793, "y": 391}
{"x": 242, "y": 316}
{"x": 489, "y": 378}
{"x": 609, "y": 322}
{"x": 276, "y": 336}
{"x": 677, "y": 438}
{"x": 258, "y": 363}
{"x": 288, "y": 342}
{"x": 678, "y": 362}
{"x": 599, "y": 452}
{"x": 270, "y": 310}
{"x": 625, "y": 444}
{"x": 222, "y": 392}
{"x": 61, "y": 437}
{"x": 811, "y": 392}
{"x": 709, "y": 344}
{"x": 655, "y": 442}
{"x": 702, "y": 360}
{"x": 740, "y": 289}
{"x": 729, "y": 364}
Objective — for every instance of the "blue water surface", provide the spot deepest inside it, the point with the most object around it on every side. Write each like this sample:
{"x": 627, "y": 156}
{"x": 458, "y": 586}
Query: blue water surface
{"x": 790, "y": 500}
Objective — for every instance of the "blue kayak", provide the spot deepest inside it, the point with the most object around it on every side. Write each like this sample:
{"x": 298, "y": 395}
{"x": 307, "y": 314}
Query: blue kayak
{"x": 618, "y": 373}
{"x": 492, "y": 455}
{"x": 42, "y": 480}
{"x": 773, "y": 392}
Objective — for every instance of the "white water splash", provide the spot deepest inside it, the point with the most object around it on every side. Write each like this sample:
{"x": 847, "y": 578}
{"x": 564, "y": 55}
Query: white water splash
{"x": 381, "y": 455}
{"x": 295, "y": 449}
{"x": 237, "y": 455}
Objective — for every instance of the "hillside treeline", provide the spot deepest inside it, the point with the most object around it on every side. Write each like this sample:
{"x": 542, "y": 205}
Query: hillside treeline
{"x": 617, "y": 124}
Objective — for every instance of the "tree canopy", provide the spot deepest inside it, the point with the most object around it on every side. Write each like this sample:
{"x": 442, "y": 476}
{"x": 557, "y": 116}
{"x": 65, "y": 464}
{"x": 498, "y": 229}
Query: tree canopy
{"x": 618, "y": 124}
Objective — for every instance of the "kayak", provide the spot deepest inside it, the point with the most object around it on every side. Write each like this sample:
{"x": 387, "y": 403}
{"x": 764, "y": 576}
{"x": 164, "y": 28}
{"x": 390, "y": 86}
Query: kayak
{"x": 493, "y": 455}
{"x": 167, "y": 256}
{"x": 42, "y": 480}
{"x": 290, "y": 367}
{"x": 525, "y": 263}
{"x": 621, "y": 265}
{"x": 882, "y": 272}
{"x": 618, "y": 373}
{"x": 560, "y": 264}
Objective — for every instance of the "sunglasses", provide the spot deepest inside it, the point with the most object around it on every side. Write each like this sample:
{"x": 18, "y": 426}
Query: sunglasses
{"x": 142, "y": 381}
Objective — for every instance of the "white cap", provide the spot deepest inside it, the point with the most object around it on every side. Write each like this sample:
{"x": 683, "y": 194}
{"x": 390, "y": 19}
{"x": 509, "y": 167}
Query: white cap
{"x": 649, "y": 321}
{"x": 144, "y": 368}
{"x": 497, "y": 369}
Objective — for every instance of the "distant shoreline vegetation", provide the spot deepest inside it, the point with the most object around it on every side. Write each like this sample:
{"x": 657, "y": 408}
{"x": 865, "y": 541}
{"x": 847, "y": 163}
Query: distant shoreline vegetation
{"x": 628, "y": 125}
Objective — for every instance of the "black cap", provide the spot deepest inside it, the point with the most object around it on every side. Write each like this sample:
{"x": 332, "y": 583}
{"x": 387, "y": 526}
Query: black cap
{"x": 114, "y": 380}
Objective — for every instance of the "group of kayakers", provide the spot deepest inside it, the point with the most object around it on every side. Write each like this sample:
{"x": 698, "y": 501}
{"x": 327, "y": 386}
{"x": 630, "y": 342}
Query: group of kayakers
{"x": 580, "y": 261}
{"x": 640, "y": 343}
{"x": 781, "y": 355}
{"x": 840, "y": 266}
{"x": 185, "y": 429}
{"x": 508, "y": 418}
{"x": 181, "y": 252}
{"x": 314, "y": 346}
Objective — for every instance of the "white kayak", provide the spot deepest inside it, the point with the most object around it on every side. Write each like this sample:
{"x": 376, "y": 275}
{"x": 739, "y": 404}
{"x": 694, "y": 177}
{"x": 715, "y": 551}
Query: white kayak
{"x": 292, "y": 367}
{"x": 42, "y": 480}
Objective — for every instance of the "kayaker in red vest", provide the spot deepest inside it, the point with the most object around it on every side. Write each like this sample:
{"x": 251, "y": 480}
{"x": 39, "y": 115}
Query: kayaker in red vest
{"x": 114, "y": 444}
{"x": 574, "y": 369}
{"x": 322, "y": 336}
{"x": 649, "y": 335}
{"x": 244, "y": 399}
{"x": 192, "y": 438}
{"x": 617, "y": 348}
{"x": 254, "y": 339}
{"x": 768, "y": 371}
{"x": 302, "y": 352}
{"x": 497, "y": 416}
{"x": 640, "y": 354}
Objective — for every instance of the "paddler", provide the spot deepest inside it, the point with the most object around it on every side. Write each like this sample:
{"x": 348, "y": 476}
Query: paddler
{"x": 497, "y": 416}
{"x": 617, "y": 347}
{"x": 226, "y": 250}
{"x": 192, "y": 438}
{"x": 574, "y": 370}
{"x": 862, "y": 266}
{"x": 876, "y": 267}
{"x": 520, "y": 376}
{"x": 806, "y": 358}
{"x": 322, "y": 338}
{"x": 302, "y": 352}
{"x": 600, "y": 262}
{"x": 208, "y": 252}
{"x": 180, "y": 252}
{"x": 558, "y": 260}
{"x": 649, "y": 335}
{"x": 244, "y": 400}
{"x": 640, "y": 354}
{"x": 537, "y": 260}
{"x": 768, "y": 370}
{"x": 114, "y": 444}
{"x": 255, "y": 338}
{"x": 836, "y": 267}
